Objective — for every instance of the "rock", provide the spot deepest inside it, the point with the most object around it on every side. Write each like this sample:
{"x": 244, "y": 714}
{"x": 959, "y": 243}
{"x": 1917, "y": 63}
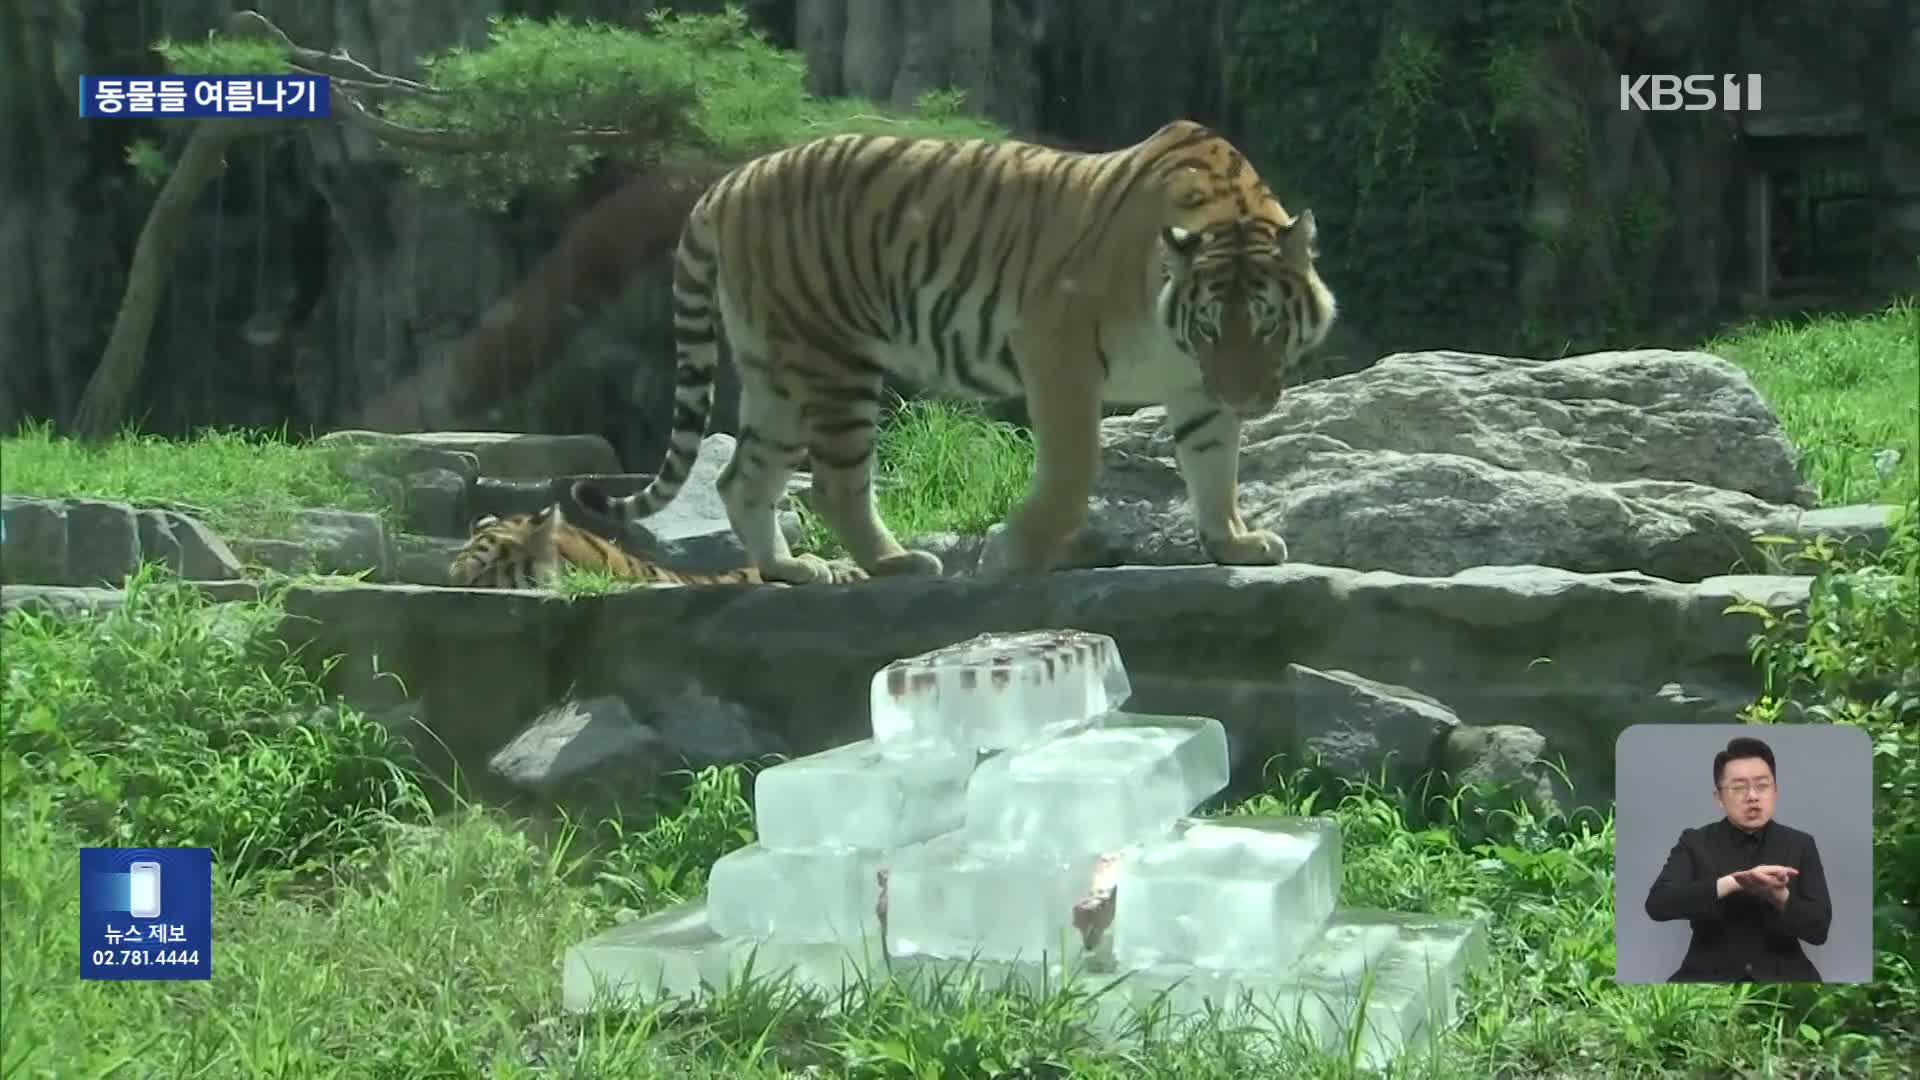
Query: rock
{"x": 1676, "y": 704}
{"x": 325, "y": 542}
{"x": 588, "y": 754}
{"x": 81, "y": 601}
{"x": 76, "y": 541}
{"x": 403, "y": 459}
{"x": 692, "y": 531}
{"x": 1430, "y": 463}
{"x": 1866, "y": 525}
{"x": 1503, "y": 761}
{"x": 33, "y": 540}
{"x": 1356, "y": 726}
{"x": 1577, "y": 657}
{"x": 424, "y": 560}
{"x": 436, "y": 502}
{"x": 699, "y": 729}
{"x": 503, "y": 454}
{"x": 343, "y": 541}
{"x": 281, "y": 556}
{"x": 103, "y": 542}
{"x": 186, "y": 545}
{"x": 430, "y": 484}
{"x": 60, "y": 601}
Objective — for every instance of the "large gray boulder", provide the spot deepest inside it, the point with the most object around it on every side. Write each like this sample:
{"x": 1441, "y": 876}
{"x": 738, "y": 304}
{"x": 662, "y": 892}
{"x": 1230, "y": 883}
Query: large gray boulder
{"x": 1430, "y": 463}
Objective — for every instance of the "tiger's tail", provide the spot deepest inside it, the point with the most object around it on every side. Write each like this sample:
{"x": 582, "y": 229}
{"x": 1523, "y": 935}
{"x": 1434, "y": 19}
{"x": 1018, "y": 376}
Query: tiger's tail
{"x": 696, "y": 355}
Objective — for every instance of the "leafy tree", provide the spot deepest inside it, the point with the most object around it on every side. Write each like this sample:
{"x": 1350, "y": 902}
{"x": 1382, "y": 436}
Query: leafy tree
{"x": 540, "y": 104}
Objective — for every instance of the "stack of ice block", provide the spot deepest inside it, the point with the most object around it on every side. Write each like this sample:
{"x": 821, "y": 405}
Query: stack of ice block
{"x": 1070, "y": 847}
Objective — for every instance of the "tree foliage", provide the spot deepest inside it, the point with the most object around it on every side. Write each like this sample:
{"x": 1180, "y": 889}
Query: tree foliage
{"x": 545, "y": 99}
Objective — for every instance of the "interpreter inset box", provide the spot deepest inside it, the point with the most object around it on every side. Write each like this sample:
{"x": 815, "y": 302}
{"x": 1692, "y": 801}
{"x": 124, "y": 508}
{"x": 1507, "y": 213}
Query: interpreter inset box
{"x": 1743, "y": 853}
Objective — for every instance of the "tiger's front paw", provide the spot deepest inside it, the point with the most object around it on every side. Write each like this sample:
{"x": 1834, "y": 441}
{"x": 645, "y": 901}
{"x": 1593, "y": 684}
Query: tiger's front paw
{"x": 810, "y": 569}
{"x": 911, "y": 563}
{"x": 1257, "y": 547}
{"x": 844, "y": 571}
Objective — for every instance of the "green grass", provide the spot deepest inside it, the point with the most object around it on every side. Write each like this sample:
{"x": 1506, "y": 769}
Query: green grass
{"x": 942, "y": 467}
{"x": 358, "y": 935}
{"x": 238, "y": 483}
{"x": 1845, "y": 389}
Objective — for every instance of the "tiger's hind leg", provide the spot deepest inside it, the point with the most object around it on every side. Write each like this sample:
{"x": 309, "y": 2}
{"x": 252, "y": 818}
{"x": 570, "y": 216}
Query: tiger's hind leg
{"x": 842, "y": 417}
{"x": 768, "y": 449}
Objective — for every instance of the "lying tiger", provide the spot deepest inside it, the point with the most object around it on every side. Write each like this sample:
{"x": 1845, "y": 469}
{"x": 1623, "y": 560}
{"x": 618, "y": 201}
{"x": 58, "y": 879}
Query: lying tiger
{"x": 1165, "y": 272}
{"x": 529, "y": 551}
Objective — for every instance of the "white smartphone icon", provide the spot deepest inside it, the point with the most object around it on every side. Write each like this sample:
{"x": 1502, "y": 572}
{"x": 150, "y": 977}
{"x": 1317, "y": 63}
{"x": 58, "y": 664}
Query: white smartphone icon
{"x": 143, "y": 890}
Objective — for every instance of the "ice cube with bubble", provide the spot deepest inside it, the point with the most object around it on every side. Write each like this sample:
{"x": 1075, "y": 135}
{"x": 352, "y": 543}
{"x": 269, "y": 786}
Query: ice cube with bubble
{"x": 1234, "y": 892}
{"x": 1122, "y": 780}
{"x": 995, "y": 691}
{"x": 855, "y": 796}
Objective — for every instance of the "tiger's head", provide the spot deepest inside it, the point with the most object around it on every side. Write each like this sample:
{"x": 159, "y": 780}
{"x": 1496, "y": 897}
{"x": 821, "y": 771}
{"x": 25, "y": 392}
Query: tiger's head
{"x": 518, "y": 552}
{"x": 1241, "y": 298}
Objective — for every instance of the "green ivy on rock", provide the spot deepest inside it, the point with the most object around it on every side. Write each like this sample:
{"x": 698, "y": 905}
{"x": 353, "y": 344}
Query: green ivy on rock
{"x": 1394, "y": 121}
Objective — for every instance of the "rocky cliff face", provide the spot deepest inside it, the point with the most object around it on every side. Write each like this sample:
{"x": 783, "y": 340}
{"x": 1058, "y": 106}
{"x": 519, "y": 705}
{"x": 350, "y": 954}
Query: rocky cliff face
{"x": 316, "y": 279}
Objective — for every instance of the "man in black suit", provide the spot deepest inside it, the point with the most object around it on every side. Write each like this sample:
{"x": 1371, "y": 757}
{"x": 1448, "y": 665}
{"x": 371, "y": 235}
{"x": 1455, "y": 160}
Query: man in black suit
{"x": 1751, "y": 887}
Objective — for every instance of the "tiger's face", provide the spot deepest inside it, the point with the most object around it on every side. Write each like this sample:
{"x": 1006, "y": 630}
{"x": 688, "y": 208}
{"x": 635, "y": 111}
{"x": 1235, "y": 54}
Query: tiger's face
{"x": 1241, "y": 298}
{"x": 519, "y": 552}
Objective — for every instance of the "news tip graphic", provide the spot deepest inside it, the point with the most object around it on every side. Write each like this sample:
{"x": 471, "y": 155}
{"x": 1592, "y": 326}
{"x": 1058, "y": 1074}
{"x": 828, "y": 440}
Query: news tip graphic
{"x": 146, "y": 913}
{"x": 107, "y": 96}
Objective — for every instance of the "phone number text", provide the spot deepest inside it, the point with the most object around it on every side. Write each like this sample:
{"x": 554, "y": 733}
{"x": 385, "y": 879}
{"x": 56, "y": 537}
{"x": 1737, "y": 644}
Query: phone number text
{"x": 145, "y": 957}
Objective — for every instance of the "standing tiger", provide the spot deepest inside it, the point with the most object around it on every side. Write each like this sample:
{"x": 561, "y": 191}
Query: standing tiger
{"x": 528, "y": 551}
{"x": 1165, "y": 272}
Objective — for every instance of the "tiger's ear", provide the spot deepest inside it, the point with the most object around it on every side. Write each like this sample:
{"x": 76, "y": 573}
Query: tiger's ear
{"x": 1180, "y": 241}
{"x": 481, "y": 522}
{"x": 1303, "y": 236}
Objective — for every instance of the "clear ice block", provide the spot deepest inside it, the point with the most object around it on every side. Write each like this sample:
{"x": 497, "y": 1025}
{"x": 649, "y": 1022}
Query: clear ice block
{"x": 853, "y": 796}
{"x": 1125, "y": 779}
{"x": 797, "y": 898}
{"x": 1417, "y": 967}
{"x": 1411, "y": 995}
{"x": 670, "y": 953}
{"x": 828, "y": 970}
{"x": 947, "y": 900}
{"x": 996, "y": 691}
{"x": 1432, "y": 958}
{"x": 1241, "y": 892}
{"x": 928, "y": 976}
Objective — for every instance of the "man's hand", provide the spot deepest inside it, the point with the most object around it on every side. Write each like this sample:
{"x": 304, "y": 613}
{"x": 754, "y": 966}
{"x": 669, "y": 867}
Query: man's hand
{"x": 1768, "y": 882}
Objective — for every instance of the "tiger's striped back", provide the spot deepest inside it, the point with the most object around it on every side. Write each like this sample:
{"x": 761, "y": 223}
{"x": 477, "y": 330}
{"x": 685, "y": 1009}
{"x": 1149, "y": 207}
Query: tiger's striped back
{"x": 529, "y": 551}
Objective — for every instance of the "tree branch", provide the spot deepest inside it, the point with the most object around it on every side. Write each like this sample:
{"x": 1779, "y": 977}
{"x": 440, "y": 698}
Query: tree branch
{"x": 350, "y": 77}
{"x": 334, "y": 65}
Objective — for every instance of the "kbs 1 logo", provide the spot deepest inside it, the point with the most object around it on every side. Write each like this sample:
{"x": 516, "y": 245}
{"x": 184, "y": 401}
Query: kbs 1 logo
{"x": 1689, "y": 93}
